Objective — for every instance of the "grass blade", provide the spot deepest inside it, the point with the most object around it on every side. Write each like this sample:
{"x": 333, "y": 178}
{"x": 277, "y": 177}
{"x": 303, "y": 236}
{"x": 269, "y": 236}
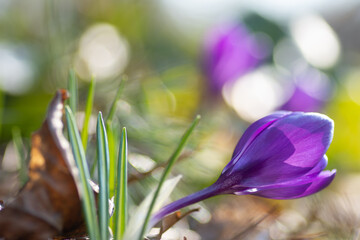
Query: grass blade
{"x": 89, "y": 106}
{"x": 112, "y": 130}
{"x": 138, "y": 214}
{"x": 19, "y": 146}
{"x": 166, "y": 172}
{"x": 1, "y": 108}
{"x": 120, "y": 219}
{"x": 103, "y": 176}
{"x": 87, "y": 195}
{"x": 73, "y": 89}
{"x": 117, "y": 97}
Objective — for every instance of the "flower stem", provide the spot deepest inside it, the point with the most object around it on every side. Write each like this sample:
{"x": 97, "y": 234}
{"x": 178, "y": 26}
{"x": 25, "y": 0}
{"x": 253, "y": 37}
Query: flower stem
{"x": 184, "y": 202}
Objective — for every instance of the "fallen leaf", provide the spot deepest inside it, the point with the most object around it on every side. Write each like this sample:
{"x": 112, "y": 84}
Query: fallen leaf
{"x": 49, "y": 203}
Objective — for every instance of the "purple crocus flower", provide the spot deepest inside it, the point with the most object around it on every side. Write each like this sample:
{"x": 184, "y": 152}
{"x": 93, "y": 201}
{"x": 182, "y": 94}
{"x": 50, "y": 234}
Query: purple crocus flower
{"x": 311, "y": 90}
{"x": 230, "y": 52}
{"x": 281, "y": 156}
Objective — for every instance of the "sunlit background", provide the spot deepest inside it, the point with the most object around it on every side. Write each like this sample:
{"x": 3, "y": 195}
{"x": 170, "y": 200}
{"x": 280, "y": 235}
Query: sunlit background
{"x": 233, "y": 62}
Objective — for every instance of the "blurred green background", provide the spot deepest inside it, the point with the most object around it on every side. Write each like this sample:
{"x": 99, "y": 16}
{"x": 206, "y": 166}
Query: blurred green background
{"x": 159, "y": 45}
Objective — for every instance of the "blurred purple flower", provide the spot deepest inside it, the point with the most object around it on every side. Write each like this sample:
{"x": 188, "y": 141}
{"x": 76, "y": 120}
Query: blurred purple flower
{"x": 230, "y": 51}
{"x": 311, "y": 91}
{"x": 281, "y": 156}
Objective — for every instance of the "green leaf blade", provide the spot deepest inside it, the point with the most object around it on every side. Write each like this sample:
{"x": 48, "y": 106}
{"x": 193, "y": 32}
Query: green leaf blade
{"x": 139, "y": 213}
{"x": 1, "y": 109}
{"x": 19, "y": 147}
{"x": 112, "y": 130}
{"x": 86, "y": 194}
{"x": 167, "y": 171}
{"x": 73, "y": 89}
{"x": 103, "y": 176}
{"x": 117, "y": 97}
{"x": 121, "y": 196}
{"x": 88, "y": 110}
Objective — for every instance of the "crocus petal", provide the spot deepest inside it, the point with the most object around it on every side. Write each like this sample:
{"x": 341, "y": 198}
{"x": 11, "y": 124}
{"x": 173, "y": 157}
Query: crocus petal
{"x": 251, "y": 133}
{"x": 321, "y": 165}
{"x": 288, "y": 148}
{"x": 298, "y": 189}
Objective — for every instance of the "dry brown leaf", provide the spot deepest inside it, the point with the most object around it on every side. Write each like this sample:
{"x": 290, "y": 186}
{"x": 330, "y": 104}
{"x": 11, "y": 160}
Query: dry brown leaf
{"x": 49, "y": 203}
